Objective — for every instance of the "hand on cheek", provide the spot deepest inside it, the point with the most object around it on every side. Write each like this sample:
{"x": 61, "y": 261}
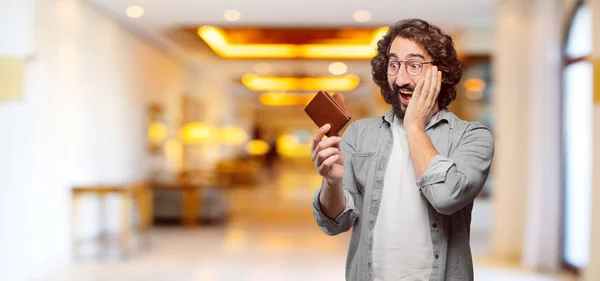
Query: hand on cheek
{"x": 423, "y": 103}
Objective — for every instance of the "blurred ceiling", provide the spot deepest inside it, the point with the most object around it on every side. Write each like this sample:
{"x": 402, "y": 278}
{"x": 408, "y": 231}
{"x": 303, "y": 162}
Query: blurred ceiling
{"x": 161, "y": 15}
{"x": 175, "y": 24}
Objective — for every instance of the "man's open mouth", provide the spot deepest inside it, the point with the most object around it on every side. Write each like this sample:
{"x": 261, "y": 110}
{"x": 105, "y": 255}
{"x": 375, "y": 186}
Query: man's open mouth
{"x": 405, "y": 96}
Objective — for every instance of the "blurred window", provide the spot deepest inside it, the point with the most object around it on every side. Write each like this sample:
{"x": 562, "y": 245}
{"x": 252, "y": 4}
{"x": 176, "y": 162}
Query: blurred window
{"x": 577, "y": 138}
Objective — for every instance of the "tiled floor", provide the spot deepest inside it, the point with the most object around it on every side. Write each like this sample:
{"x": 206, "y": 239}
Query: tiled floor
{"x": 271, "y": 236}
{"x": 246, "y": 253}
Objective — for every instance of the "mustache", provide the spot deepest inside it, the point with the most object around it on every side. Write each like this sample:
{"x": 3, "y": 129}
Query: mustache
{"x": 408, "y": 88}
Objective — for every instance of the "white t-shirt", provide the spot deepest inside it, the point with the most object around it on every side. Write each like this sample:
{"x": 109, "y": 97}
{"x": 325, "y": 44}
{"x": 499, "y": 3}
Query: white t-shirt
{"x": 402, "y": 247}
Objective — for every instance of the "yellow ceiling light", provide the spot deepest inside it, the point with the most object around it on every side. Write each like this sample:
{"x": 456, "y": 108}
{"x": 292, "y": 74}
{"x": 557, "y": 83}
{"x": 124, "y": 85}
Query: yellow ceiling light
{"x": 217, "y": 41}
{"x": 197, "y": 132}
{"x": 338, "y": 68}
{"x": 272, "y": 83}
{"x": 344, "y": 83}
{"x": 257, "y": 147}
{"x": 232, "y": 15}
{"x": 278, "y": 99}
{"x": 135, "y": 12}
{"x": 286, "y": 98}
{"x": 215, "y": 38}
{"x": 232, "y": 135}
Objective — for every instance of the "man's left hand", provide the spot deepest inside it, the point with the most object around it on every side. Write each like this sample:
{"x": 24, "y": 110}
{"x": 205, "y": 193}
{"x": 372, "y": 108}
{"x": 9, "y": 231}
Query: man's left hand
{"x": 423, "y": 103}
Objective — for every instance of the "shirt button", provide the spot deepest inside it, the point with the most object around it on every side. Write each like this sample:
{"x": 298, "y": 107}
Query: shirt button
{"x": 437, "y": 256}
{"x": 434, "y": 225}
{"x": 371, "y": 224}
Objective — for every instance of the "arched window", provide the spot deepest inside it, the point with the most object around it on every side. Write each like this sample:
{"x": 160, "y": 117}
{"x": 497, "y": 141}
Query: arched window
{"x": 577, "y": 138}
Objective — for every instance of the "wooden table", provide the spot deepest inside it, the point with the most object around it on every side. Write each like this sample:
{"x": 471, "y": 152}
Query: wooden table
{"x": 134, "y": 195}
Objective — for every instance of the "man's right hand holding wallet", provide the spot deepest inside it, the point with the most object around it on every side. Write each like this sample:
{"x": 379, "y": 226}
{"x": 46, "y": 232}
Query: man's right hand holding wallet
{"x": 329, "y": 162}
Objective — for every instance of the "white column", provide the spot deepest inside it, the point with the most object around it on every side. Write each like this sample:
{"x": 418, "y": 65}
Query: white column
{"x": 541, "y": 246}
{"x": 511, "y": 102}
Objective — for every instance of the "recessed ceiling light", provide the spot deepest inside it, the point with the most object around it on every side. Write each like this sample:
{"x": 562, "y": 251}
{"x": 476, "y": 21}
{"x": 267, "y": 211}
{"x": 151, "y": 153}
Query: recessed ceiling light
{"x": 362, "y": 16}
{"x": 135, "y": 12}
{"x": 338, "y": 68}
{"x": 232, "y": 15}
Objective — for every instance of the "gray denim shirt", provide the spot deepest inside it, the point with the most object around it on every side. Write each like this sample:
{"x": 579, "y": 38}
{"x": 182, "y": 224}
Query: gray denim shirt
{"x": 450, "y": 184}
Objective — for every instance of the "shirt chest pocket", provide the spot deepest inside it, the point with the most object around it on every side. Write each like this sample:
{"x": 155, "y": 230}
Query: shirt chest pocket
{"x": 362, "y": 166}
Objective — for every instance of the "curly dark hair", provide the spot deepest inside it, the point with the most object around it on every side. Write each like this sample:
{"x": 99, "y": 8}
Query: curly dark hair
{"x": 433, "y": 40}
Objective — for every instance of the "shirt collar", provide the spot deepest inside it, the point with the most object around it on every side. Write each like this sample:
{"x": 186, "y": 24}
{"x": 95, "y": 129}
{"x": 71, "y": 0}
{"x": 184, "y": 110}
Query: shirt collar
{"x": 444, "y": 114}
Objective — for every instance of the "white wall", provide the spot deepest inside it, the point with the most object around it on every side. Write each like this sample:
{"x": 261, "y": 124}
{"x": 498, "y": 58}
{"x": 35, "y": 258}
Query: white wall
{"x": 16, "y": 41}
{"x": 82, "y": 120}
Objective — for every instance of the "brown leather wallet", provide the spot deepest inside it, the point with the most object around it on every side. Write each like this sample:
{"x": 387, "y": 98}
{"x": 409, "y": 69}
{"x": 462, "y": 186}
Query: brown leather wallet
{"x": 325, "y": 109}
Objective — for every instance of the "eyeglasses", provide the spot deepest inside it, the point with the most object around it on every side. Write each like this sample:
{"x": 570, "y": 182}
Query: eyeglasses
{"x": 413, "y": 67}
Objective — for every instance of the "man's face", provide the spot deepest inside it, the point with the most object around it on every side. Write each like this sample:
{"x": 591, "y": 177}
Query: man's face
{"x": 404, "y": 82}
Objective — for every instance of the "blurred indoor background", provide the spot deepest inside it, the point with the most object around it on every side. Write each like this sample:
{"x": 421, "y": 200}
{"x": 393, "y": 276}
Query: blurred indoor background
{"x": 166, "y": 139}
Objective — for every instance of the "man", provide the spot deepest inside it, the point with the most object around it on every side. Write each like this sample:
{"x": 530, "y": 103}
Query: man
{"x": 406, "y": 181}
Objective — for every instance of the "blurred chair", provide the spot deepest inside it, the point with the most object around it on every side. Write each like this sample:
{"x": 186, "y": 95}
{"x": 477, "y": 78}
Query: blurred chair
{"x": 137, "y": 195}
{"x": 192, "y": 197}
{"x": 190, "y": 185}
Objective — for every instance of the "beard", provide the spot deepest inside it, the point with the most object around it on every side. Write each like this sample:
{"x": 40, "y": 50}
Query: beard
{"x": 397, "y": 106}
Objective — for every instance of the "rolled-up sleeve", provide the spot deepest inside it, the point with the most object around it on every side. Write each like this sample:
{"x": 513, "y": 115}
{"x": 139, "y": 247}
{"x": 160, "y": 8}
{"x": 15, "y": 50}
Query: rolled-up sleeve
{"x": 451, "y": 183}
{"x": 344, "y": 221}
